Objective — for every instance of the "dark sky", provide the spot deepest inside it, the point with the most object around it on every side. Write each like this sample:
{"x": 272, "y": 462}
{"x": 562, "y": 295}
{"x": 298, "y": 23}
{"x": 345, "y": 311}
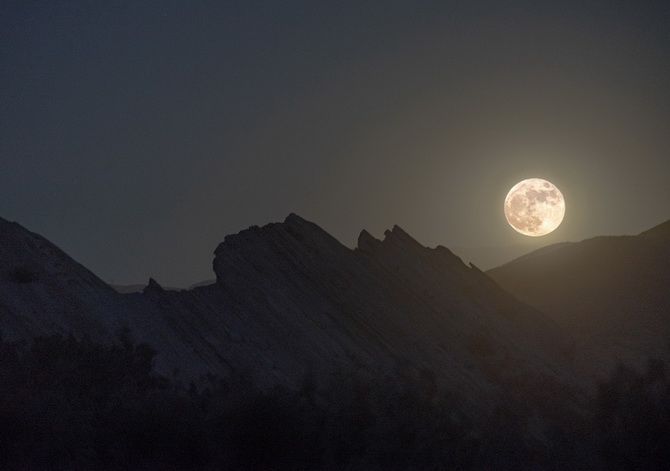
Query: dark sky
{"x": 136, "y": 135}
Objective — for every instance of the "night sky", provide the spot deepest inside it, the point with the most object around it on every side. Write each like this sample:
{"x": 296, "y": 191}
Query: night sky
{"x": 136, "y": 135}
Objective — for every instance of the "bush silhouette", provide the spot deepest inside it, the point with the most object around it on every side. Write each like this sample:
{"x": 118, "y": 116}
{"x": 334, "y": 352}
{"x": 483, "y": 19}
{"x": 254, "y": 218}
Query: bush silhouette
{"x": 72, "y": 404}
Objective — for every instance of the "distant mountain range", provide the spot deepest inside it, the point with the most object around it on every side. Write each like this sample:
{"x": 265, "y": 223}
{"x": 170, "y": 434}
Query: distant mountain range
{"x": 488, "y": 257}
{"x": 612, "y": 294}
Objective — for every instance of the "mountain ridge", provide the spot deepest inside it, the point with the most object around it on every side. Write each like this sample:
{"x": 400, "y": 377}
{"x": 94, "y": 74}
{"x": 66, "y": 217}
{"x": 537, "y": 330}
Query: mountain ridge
{"x": 609, "y": 292}
{"x": 291, "y": 301}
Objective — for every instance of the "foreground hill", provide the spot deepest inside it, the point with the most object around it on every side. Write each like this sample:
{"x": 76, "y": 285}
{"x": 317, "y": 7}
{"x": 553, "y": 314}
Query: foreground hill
{"x": 291, "y": 303}
{"x": 611, "y": 293}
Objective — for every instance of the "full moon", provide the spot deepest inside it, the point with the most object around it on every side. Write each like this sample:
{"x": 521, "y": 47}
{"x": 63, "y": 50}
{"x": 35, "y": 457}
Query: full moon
{"x": 534, "y": 207}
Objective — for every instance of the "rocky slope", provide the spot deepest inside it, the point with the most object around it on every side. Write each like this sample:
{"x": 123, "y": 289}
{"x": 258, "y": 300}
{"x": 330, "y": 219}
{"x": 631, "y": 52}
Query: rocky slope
{"x": 611, "y": 293}
{"x": 290, "y": 302}
{"x": 42, "y": 290}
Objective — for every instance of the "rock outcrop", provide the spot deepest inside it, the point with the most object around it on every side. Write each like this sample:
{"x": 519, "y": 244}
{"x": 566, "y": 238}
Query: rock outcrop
{"x": 291, "y": 302}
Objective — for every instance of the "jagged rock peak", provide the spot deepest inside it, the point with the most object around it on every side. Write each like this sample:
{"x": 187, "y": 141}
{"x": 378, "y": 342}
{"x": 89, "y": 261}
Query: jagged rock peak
{"x": 275, "y": 244}
{"x": 366, "y": 242}
{"x": 397, "y": 240}
{"x": 294, "y": 219}
{"x": 297, "y": 227}
{"x": 399, "y": 237}
{"x": 153, "y": 287}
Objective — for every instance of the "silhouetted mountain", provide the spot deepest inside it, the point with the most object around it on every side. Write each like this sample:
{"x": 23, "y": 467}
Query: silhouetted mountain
{"x": 290, "y": 302}
{"x": 128, "y": 289}
{"x": 487, "y": 257}
{"x": 611, "y": 293}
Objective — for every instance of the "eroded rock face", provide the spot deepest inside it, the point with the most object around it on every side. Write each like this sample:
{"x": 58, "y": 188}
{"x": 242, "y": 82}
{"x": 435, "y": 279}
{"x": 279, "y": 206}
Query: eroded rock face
{"x": 291, "y": 301}
{"x": 391, "y": 299}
